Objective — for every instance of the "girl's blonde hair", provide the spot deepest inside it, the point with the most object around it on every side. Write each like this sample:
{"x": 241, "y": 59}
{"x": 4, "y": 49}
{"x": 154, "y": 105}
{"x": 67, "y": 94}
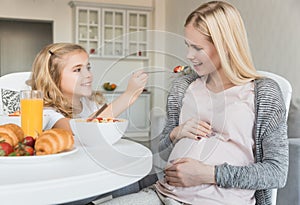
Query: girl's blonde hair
{"x": 224, "y": 27}
{"x": 46, "y": 75}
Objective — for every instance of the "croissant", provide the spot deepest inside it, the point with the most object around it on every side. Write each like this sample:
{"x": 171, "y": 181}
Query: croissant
{"x": 53, "y": 141}
{"x": 11, "y": 133}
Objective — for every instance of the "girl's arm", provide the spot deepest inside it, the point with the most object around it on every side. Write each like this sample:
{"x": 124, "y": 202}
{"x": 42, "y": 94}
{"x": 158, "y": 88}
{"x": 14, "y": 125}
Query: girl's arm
{"x": 63, "y": 123}
{"x": 56, "y": 119}
{"x": 135, "y": 87}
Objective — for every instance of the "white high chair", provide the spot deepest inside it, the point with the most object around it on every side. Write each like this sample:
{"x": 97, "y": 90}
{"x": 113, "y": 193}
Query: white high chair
{"x": 14, "y": 82}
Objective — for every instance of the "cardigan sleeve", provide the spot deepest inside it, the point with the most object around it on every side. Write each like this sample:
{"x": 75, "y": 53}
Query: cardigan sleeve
{"x": 271, "y": 149}
{"x": 165, "y": 143}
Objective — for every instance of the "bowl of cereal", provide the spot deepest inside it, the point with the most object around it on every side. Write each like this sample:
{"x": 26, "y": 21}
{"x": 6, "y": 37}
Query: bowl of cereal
{"x": 104, "y": 130}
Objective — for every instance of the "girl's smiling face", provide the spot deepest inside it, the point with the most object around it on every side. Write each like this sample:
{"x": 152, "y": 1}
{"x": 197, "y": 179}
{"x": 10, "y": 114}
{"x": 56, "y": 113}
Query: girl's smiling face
{"x": 76, "y": 77}
{"x": 201, "y": 52}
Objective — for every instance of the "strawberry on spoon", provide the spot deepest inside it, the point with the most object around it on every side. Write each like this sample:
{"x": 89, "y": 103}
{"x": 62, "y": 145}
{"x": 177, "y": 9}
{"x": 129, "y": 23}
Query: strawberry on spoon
{"x": 180, "y": 68}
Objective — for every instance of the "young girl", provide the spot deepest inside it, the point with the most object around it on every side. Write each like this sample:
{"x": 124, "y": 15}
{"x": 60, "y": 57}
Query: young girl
{"x": 63, "y": 72}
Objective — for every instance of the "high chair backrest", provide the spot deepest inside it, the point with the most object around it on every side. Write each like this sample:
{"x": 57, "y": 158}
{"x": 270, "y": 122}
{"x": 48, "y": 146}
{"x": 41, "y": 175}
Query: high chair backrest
{"x": 10, "y": 85}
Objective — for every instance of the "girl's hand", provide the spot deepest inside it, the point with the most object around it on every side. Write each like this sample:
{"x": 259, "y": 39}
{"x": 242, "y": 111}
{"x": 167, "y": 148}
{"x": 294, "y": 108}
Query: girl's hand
{"x": 186, "y": 172}
{"x": 193, "y": 128}
{"x": 136, "y": 84}
{"x": 135, "y": 87}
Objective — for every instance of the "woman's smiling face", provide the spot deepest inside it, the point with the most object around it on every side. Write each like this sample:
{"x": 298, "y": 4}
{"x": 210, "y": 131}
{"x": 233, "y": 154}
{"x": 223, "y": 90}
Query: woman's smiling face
{"x": 201, "y": 52}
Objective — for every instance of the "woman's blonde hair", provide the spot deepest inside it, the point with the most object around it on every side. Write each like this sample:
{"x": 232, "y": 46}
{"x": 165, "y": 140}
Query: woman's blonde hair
{"x": 46, "y": 75}
{"x": 224, "y": 27}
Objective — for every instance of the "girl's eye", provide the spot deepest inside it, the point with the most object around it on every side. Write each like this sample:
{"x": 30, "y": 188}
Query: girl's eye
{"x": 77, "y": 70}
{"x": 88, "y": 67}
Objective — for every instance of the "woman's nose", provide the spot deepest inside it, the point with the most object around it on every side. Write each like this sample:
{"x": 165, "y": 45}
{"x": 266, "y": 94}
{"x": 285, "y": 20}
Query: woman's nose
{"x": 190, "y": 54}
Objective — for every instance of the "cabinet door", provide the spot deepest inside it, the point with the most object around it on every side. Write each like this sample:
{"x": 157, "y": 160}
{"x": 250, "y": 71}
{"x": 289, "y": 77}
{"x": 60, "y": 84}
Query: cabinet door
{"x": 137, "y": 25}
{"x": 138, "y": 115}
{"x": 88, "y": 29}
{"x": 114, "y": 30}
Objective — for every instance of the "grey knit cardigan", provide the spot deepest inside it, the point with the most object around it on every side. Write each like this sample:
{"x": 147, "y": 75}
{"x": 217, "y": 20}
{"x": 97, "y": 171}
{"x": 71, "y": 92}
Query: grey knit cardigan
{"x": 270, "y": 133}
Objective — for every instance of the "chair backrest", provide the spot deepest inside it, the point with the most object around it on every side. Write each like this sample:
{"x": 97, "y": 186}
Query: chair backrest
{"x": 10, "y": 85}
{"x": 284, "y": 85}
{"x": 286, "y": 90}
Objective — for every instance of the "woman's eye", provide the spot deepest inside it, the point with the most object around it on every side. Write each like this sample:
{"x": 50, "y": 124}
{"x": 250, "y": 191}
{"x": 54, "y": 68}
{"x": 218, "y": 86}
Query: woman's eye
{"x": 197, "y": 48}
{"x": 89, "y": 68}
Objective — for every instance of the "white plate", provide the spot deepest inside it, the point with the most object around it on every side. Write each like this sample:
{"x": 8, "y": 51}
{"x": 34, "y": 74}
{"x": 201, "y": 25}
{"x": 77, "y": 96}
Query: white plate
{"x": 35, "y": 159}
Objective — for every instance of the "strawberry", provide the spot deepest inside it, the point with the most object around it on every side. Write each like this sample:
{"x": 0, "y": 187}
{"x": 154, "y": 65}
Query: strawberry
{"x": 29, "y": 150}
{"x": 5, "y": 148}
{"x": 178, "y": 69}
{"x": 23, "y": 150}
{"x": 29, "y": 141}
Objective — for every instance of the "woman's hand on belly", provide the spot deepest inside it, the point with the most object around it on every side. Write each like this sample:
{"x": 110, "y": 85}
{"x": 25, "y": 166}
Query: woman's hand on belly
{"x": 193, "y": 128}
{"x": 186, "y": 172}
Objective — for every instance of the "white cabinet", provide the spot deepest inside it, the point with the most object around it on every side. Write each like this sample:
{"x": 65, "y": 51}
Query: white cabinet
{"x": 138, "y": 37}
{"x": 138, "y": 115}
{"x": 109, "y": 30}
{"x": 114, "y": 29}
{"x": 87, "y": 30}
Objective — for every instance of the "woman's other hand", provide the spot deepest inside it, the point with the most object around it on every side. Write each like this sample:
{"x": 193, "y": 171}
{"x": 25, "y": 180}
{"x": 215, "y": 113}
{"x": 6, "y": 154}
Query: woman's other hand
{"x": 136, "y": 84}
{"x": 193, "y": 128}
{"x": 186, "y": 172}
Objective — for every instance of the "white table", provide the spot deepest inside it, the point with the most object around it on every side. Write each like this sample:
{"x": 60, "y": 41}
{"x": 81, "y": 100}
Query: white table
{"x": 72, "y": 177}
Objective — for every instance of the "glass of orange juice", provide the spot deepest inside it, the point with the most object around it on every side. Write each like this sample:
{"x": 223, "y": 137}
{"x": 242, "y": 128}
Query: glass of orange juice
{"x": 31, "y": 106}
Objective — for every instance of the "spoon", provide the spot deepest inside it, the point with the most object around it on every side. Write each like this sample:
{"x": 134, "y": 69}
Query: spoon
{"x": 98, "y": 112}
{"x": 177, "y": 69}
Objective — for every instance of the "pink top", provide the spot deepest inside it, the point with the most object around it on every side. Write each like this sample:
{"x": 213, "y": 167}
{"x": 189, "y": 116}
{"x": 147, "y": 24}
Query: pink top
{"x": 231, "y": 115}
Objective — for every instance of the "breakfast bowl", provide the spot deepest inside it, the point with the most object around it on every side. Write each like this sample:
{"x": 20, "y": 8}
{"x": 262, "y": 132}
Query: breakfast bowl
{"x": 99, "y": 130}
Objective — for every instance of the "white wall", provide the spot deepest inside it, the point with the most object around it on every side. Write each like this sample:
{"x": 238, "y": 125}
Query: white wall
{"x": 273, "y": 30}
{"x": 57, "y": 11}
